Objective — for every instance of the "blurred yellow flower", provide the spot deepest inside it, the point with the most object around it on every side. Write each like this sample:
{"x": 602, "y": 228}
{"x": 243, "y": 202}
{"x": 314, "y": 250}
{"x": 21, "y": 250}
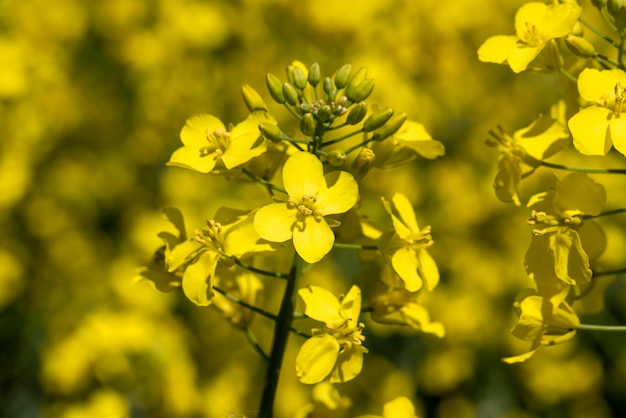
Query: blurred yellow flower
{"x": 336, "y": 351}
{"x": 302, "y": 217}
{"x": 535, "y": 25}
{"x": 598, "y": 127}
{"x": 406, "y": 247}
{"x": 207, "y": 142}
{"x": 400, "y": 407}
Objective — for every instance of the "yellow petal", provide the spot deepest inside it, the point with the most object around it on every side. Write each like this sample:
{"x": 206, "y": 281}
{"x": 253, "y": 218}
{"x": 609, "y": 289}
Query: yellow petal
{"x": 399, "y": 408}
{"x": 595, "y": 85}
{"x": 351, "y": 305}
{"x": 558, "y": 21}
{"x": 319, "y": 304}
{"x": 303, "y": 175}
{"x": 246, "y": 141}
{"x": 348, "y": 365}
{"x": 521, "y": 357}
{"x": 275, "y": 222}
{"x": 194, "y": 133}
{"x": 497, "y": 48}
{"x": 316, "y": 358}
{"x": 578, "y": 194}
{"x": 427, "y": 269}
{"x": 528, "y": 14}
{"x": 340, "y": 194}
{"x": 521, "y": 56}
{"x": 617, "y": 129}
{"x": 417, "y": 317}
{"x": 405, "y": 210}
{"x": 404, "y": 262}
{"x": 589, "y": 129}
{"x": 191, "y": 158}
{"x": 313, "y": 241}
{"x": 198, "y": 277}
{"x": 242, "y": 239}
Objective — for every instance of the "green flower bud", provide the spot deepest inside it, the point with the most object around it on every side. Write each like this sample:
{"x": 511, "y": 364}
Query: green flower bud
{"x": 299, "y": 79}
{"x": 272, "y": 132}
{"x": 620, "y": 20}
{"x": 362, "y": 163}
{"x": 599, "y": 4}
{"x": 328, "y": 85}
{"x": 336, "y": 157}
{"x": 377, "y": 119}
{"x": 342, "y": 76}
{"x": 360, "y": 92}
{"x": 290, "y": 93}
{"x": 314, "y": 74}
{"x": 307, "y": 124}
{"x": 357, "y": 113}
{"x": 359, "y": 76}
{"x": 275, "y": 87}
{"x": 580, "y": 46}
{"x": 613, "y": 6}
{"x": 253, "y": 99}
{"x": 390, "y": 128}
{"x": 324, "y": 113}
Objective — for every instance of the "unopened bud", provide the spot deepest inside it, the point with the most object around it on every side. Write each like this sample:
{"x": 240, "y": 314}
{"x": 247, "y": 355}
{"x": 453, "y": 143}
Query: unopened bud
{"x": 580, "y": 46}
{"x": 324, "y": 113}
{"x": 377, "y": 119}
{"x": 299, "y": 79}
{"x": 275, "y": 87}
{"x": 357, "y": 113}
{"x": 362, "y": 163}
{"x": 253, "y": 100}
{"x": 361, "y": 91}
{"x": 359, "y": 76}
{"x": 620, "y": 20}
{"x": 390, "y": 128}
{"x": 290, "y": 93}
{"x": 328, "y": 85}
{"x": 314, "y": 74}
{"x": 342, "y": 76}
{"x": 336, "y": 157}
{"x": 307, "y": 124}
{"x": 272, "y": 132}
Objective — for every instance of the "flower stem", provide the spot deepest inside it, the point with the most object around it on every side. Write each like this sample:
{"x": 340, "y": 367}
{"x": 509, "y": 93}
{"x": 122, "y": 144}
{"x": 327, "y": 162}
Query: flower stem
{"x": 606, "y": 328}
{"x": 582, "y": 169}
{"x": 270, "y": 186}
{"x": 607, "y": 213}
{"x": 568, "y": 75}
{"x": 347, "y": 246}
{"x": 255, "y": 343}
{"x": 609, "y": 272}
{"x": 341, "y": 138}
{"x": 597, "y": 32}
{"x": 245, "y": 304}
{"x": 260, "y": 271}
{"x": 281, "y": 334}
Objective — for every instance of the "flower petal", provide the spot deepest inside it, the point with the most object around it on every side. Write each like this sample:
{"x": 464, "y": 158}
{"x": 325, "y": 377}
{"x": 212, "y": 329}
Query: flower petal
{"x": 316, "y": 358}
{"x": 319, "y": 304}
{"x": 528, "y": 14}
{"x": 313, "y": 241}
{"x": 246, "y": 141}
{"x": 194, "y": 133}
{"x": 558, "y": 21}
{"x": 198, "y": 277}
{"x": 496, "y": 49}
{"x": 351, "y": 305}
{"x": 340, "y": 196}
{"x": 617, "y": 128}
{"x": 595, "y": 85}
{"x": 404, "y": 262}
{"x": 405, "y": 210}
{"x": 589, "y": 129}
{"x": 275, "y": 222}
{"x": 303, "y": 175}
{"x": 348, "y": 365}
{"x": 191, "y": 158}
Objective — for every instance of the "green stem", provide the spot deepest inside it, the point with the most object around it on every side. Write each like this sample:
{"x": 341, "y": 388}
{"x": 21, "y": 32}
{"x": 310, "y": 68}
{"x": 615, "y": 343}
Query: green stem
{"x": 609, "y": 272}
{"x": 347, "y": 246}
{"x": 607, "y": 59}
{"x": 292, "y": 111}
{"x": 581, "y": 169}
{"x": 607, "y": 328}
{"x": 597, "y": 32}
{"x": 245, "y": 304}
{"x": 607, "y": 213}
{"x": 362, "y": 144}
{"x": 255, "y": 343}
{"x": 342, "y": 138}
{"x": 568, "y": 75}
{"x": 260, "y": 271}
{"x": 270, "y": 186}
{"x": 281, "y": 334}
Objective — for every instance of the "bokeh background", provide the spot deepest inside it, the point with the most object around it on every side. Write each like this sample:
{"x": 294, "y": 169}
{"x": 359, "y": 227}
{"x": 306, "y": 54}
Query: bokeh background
{"x": 93, "y": 94}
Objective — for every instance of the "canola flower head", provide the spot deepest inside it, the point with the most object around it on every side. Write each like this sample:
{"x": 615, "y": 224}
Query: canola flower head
{"x": 535, "y": 25}
{"x": 312, "y": 196}
{"x": 601, "y": 125}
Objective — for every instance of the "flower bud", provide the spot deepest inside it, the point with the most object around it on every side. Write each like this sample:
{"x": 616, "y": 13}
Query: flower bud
{"x": 377, "y": 119}
{"x": 252, "y": 99}
{"x": 362, "y": 163}
{"x": 390, "y": 128}
{"x": 307, "y": 124}
{"x": 359, "y": 76}
{"x": 324, "y": 113}
{"x": 299, "y": 79}
{"x": 272, "y": 132}
{"x": 361, "y": 91}
{"x": 314, "y": 74}
{"x": 357, "y": 113}
{"x": 342, "y": 76}
{"x": 580, "y": 46}
{"x": 336, "y": 157}
{"x": 328, "y": 85}
{"x": 275, "y": 87}
{"x": 290, "y": 93}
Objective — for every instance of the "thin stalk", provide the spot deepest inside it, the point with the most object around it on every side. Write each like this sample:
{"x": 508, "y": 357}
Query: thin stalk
{"x": 245, "y": 304}
{"x": 260, "y": 271}
{"x": 292, "y": 111}
{"x": 281, "y": 334}
{"x": 270, "y": 186}
{"x": 255, "y": 343}
{"x": 342, "y": 138}
{"x": 607, "y": 59}
{"x": 607, "y": 213}
{"x": 362, "y": 144}
{"x": 347, "y": 246}
{"x": 568, "y": 75}
{"x": 609, "y": 272}
{"x": 582, "y": 169}
{"x": 606, "y": 328}
{"x": 597, "y": 32}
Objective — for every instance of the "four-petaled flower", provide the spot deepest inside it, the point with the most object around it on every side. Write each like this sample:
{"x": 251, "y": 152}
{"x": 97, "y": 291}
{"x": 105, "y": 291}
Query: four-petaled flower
{"x": 337, "y": 350}
{"x": 598, "y": 127}
{"x": 535, "y": 25}
{"x": 206, "y": 142}
{"x": 302, "y": 216}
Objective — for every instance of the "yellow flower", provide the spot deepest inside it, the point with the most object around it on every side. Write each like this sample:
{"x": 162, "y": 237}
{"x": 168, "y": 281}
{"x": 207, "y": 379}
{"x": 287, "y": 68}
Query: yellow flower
{"x": 406, "y": 247}
{"x": 302, "y": 217}
{"x": 535, "y": 25}
{"x": 542, "y": 323}
{"x": 400, "y": 407}
{"x": 206, "y": 141}
{"x": 598, "y": 127}
{"x": 336, "y": 351}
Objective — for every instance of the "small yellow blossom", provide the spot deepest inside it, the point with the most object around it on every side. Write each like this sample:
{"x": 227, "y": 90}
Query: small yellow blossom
{"x": 302, "y": 216}
{"x": 406, "y": 247}
{"x": 400, "y": 407}
{"x": 207, "y": 142}
{"x": 601, "y": 125}
{"x": 411, "y": 140}
{"x": 542, "y": 323}
{"x": 336, "y": 352}
{"x": 535, "y": 25}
